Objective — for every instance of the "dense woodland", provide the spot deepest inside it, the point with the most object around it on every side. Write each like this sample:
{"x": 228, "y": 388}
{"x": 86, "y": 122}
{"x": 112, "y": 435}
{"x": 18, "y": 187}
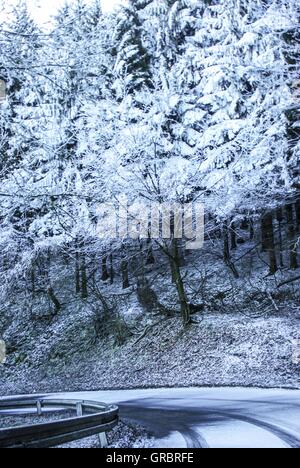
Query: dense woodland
{"x": 169, "y": 101}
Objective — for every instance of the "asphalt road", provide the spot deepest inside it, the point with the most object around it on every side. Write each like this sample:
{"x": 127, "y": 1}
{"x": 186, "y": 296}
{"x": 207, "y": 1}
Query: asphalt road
{"x": 211, "y": 417}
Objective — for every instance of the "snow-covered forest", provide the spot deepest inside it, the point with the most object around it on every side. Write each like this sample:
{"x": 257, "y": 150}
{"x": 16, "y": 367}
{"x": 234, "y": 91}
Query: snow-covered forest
{"x": 168, "y": 101}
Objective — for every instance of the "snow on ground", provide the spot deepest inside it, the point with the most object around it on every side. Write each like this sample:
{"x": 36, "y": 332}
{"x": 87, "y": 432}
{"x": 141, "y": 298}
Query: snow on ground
{"x": 222, "y": 350}
{"x": 125, "y": 435}
{"x": 246, "y": 338}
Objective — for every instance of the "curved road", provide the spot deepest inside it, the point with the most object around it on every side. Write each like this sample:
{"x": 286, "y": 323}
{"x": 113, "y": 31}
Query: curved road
{"x": 211, "y": 417}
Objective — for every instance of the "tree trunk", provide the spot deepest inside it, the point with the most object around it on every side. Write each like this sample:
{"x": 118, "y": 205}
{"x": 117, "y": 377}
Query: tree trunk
{"x": 32, "y": 278}
{"x": 233, "y": 236}
{"x": 226, "y": 251}
{"x": 173, "y": 275}
{"x": 55, "y": 301}
{"x": 291, "y": 238}
{"x": 125, "y": 273}
{"x": 84, "y": 286}
{"x": 111, "y": 269}
{"x": 77, "y": 273}
{"x": 268, "y": 241}
{"x": 251, "y": 229}
{"x": 150, "y": 260}
{"x": 297, "y": 210}
{"x": 184, "y": 305}
{"x": 280, "y": 218}
{"x": 105, "y": 274}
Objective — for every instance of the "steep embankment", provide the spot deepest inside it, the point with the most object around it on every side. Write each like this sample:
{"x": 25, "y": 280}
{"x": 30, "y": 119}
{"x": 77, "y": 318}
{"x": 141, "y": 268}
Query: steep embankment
{"x": 221, "y": 349}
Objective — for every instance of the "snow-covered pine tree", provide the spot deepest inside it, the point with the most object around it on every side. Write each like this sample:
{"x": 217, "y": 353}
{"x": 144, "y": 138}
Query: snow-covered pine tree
{"x": 291, "y": 48}
{"x": 241, "y": 89}
{"x": 291, "y": 39}
{"x": 20, "y": 49}
{"x": 132, "y": 58}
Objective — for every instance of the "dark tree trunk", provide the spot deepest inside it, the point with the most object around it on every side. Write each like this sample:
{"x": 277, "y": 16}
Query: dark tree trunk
{"x": 184, "y": 304}
{"x": 150, "y": 260}
{"x": 291, "y": 237}
{"x": 226, "y": 251}
{"x": 251, "y": 229}
{"x": 55, "y": 301}
{"x": 280, "y": 218}
{"x": 84, "y": 285}
{"x": 105, "y": 274}
{"x": 32, "y": 279}
{"x": 268, "y": 241}
{"x": 111, "y": 269}
{"x": 264, "y": 234}
{"x": 173, "y": 276}
{"x": 77, "y": 273}
{"x": 125, "y": 273}
{"x": 297, "y": 211}
{"x": 233, "y": 236}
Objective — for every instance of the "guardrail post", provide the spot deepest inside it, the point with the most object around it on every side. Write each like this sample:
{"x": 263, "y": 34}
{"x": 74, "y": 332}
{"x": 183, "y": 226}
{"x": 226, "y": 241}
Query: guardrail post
{"x": 103, "y": 440}
{"x": 79, "y": 408}
{"x": 39, "y": 408}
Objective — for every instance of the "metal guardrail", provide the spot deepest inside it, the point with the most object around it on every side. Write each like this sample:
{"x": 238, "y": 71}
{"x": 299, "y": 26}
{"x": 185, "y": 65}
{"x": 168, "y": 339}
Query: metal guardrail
{"x": 91, "y": 418}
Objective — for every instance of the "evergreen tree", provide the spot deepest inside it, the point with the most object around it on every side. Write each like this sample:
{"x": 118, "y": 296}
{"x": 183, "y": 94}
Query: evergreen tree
{"x": 132, "y": 58}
